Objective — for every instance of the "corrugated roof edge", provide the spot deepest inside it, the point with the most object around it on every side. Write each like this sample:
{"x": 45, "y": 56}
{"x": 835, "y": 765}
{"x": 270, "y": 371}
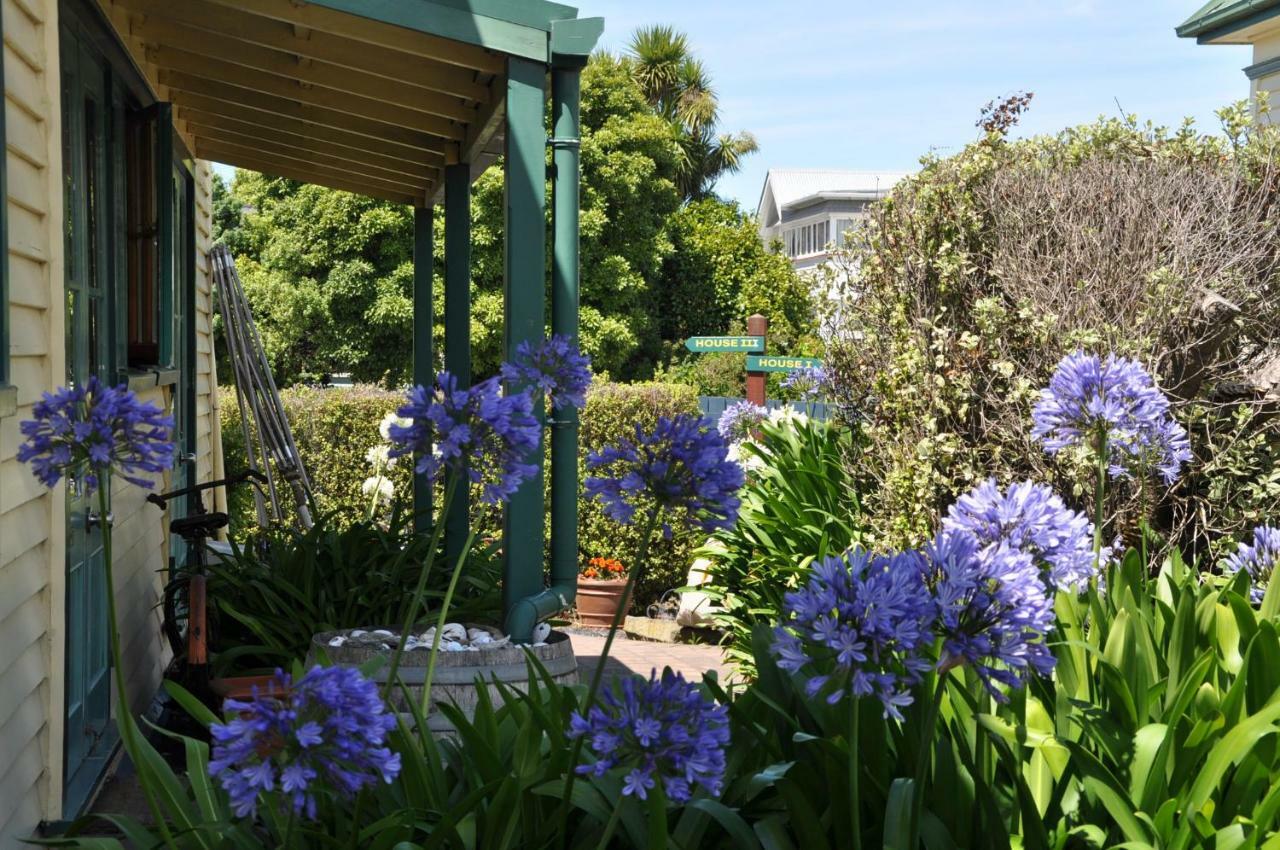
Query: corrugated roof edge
{"x": 1222, "y": 17}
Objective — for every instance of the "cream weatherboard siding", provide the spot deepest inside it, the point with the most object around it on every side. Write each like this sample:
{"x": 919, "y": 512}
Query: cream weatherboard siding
{"x": 32, "y": 521}
{"x": 1264, "y": 73}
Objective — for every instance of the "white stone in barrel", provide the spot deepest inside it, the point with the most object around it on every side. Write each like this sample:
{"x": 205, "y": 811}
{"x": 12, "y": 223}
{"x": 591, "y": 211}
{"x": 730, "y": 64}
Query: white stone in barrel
{"x": 456, "y": 673}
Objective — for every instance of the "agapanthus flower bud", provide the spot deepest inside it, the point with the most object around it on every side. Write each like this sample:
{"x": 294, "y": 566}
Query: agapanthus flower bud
{"x": 740, "y": 420}
{"x": 994, "y": 610}
{"x": 93, "y": 429}
{"x": 555, "y": 366}
{"x": 324, "y": 735}
{"x": 1089, "y": 399}
{"x": 678, "y": 465}
{"x": 810, "y": 382}
{"x": 481, "y": 432}
{"x": 1259, "y": 559}
{"x": 1030, "y": 518}
{"x": 861, "y": 626}
{"x": 663, "y": 730}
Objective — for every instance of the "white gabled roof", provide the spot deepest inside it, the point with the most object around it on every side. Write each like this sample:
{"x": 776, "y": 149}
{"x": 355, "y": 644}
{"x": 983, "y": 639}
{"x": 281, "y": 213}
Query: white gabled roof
{"x": 785, "y": 187}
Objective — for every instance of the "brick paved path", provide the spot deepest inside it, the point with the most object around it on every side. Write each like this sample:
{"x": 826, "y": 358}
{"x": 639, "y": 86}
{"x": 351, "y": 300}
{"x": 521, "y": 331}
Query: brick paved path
{"x": 642, "y": 656}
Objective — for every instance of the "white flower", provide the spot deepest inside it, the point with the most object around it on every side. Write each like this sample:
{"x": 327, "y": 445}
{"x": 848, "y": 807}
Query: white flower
{"x": 380, "y": 485}
{"x": 384, "y": 427}
{"x": 748, "y": 460}
{"x": 788, "y": 415}
{"x": 379, "y": 457}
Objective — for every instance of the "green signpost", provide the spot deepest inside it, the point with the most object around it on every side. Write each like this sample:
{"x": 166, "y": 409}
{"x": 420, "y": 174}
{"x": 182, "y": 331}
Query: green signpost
{"x": 779, "y": 363}
{"x": 707, "y": 344}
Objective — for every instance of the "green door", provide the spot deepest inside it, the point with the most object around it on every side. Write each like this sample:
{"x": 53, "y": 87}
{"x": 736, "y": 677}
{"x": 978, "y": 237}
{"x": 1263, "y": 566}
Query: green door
{"x": 86, "y": 123}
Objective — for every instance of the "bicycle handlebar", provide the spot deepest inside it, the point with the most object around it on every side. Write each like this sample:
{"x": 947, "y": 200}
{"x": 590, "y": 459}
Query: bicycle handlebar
{"x": 161, "y": 500}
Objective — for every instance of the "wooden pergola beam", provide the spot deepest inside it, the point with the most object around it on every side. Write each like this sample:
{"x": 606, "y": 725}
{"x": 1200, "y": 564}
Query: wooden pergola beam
{"x": 304, "y": 172}
{"x": 171, "y": 45}
{"x": 210, "y": 108}
{"x": 178, "y": 81}
{"x": 155, "y": 18}
{"x": 222, "y": 71}
{"x": 353, "y": 164}
{"x": 199, "y": 123}
{"x": 371, "y": 32}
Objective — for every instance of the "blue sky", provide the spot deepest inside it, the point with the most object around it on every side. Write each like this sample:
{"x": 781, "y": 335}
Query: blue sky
{"x": 873, "y": 85}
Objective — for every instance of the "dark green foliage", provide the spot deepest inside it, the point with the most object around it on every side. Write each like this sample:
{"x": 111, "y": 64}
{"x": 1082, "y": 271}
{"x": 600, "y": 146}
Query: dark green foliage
{"x": 719, "y": 273}
{"x": 799, "y": 505}
{"x": 614, "y": 411}
{"x": 328, "y": 276}
{"x": 283, "y": 586}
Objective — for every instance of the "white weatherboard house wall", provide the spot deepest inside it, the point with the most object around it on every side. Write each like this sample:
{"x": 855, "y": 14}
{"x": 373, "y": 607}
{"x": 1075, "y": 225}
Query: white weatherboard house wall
{"x": 809, "y": 211}
{"x": 60, "y": 85}
{"x": 1252, "y": 22}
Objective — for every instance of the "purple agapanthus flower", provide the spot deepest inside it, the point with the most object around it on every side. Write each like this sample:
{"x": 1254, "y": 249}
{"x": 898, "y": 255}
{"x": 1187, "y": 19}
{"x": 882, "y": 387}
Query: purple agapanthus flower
{"x": 1258, "y": 559}
{"x": 556, "y": 367}
{"x": 1090, "y": 399}
{"x": 808, "y": 381}
{"x": 1030, "y": 518}
{"x": 479, "y": 432}
{"x": 91, "y": 430}
{"x": 740, "y": 419}
{"x": 994, "y": 610}
{"x": 677, "y": 465}
{"x": 660, "y": 730}
{"x": 862, "y": 625}
{"x": 326, "y": 734}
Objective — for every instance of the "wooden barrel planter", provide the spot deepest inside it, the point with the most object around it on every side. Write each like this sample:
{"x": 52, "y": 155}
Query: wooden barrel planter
{"x": 457, "y": 673}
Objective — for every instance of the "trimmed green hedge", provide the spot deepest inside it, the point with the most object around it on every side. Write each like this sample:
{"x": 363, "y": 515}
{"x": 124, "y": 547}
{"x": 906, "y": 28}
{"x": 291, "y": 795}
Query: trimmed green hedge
{"x": 335, "y": 427}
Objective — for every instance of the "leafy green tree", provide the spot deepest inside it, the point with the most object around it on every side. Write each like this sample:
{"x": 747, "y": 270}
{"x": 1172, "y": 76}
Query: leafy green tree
{"x": 718, "y": 273}
{"x": 679, "y": 87}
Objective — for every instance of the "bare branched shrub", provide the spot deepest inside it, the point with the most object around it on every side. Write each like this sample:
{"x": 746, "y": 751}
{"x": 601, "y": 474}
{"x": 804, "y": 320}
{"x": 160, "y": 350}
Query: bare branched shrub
{"x": 980, "y": 273}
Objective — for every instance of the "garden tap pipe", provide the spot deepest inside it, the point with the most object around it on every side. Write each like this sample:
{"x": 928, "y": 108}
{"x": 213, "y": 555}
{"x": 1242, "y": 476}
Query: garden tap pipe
{"x": 525, "y": 613}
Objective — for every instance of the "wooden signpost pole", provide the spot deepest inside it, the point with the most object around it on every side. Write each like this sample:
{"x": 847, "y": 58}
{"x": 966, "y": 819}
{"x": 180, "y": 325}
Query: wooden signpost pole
{"x": 757, "y": 325}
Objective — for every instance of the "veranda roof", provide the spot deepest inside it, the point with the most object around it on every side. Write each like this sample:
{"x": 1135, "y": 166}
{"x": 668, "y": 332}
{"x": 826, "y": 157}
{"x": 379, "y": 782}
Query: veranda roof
{"x": 370, "y": 96}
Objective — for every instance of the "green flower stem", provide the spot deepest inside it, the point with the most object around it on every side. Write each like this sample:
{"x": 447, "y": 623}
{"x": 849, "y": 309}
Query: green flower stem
{"x": 637, "y": 567}
{"x": 922, "y": 760}
{"x": 855, "y": 768}
{"x": 440, "y": 621}
{"x": 415, "y": 602}
{"x": 288, "y": 830}
{"x": 611, "y": 827}
{"x": 1099, "y": 498}
{"x": 128, "y": 730}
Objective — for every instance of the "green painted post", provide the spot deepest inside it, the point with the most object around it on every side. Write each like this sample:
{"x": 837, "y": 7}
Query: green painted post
{"x": 457, "y": 323}
{"x": 422, "y": 354}
{"x": 564, "y": 320}
{"x": 524, "y": 307}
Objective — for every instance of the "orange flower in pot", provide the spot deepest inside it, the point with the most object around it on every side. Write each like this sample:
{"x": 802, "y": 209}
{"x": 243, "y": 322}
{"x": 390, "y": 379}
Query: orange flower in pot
{"x": 601, "y": 584}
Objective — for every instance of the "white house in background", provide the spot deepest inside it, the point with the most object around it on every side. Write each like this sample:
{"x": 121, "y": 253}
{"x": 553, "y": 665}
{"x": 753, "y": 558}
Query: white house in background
{"x": 1252, "y": 22}
{"x": 809, "y": 210}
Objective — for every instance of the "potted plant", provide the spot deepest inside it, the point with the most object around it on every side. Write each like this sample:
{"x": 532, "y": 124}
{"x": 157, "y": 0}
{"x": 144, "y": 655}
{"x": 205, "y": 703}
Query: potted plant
{"x": 602, "y": 590}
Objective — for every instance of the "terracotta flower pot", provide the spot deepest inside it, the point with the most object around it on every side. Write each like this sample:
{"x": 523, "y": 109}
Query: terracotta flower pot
{"x": 598, "y": 600}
